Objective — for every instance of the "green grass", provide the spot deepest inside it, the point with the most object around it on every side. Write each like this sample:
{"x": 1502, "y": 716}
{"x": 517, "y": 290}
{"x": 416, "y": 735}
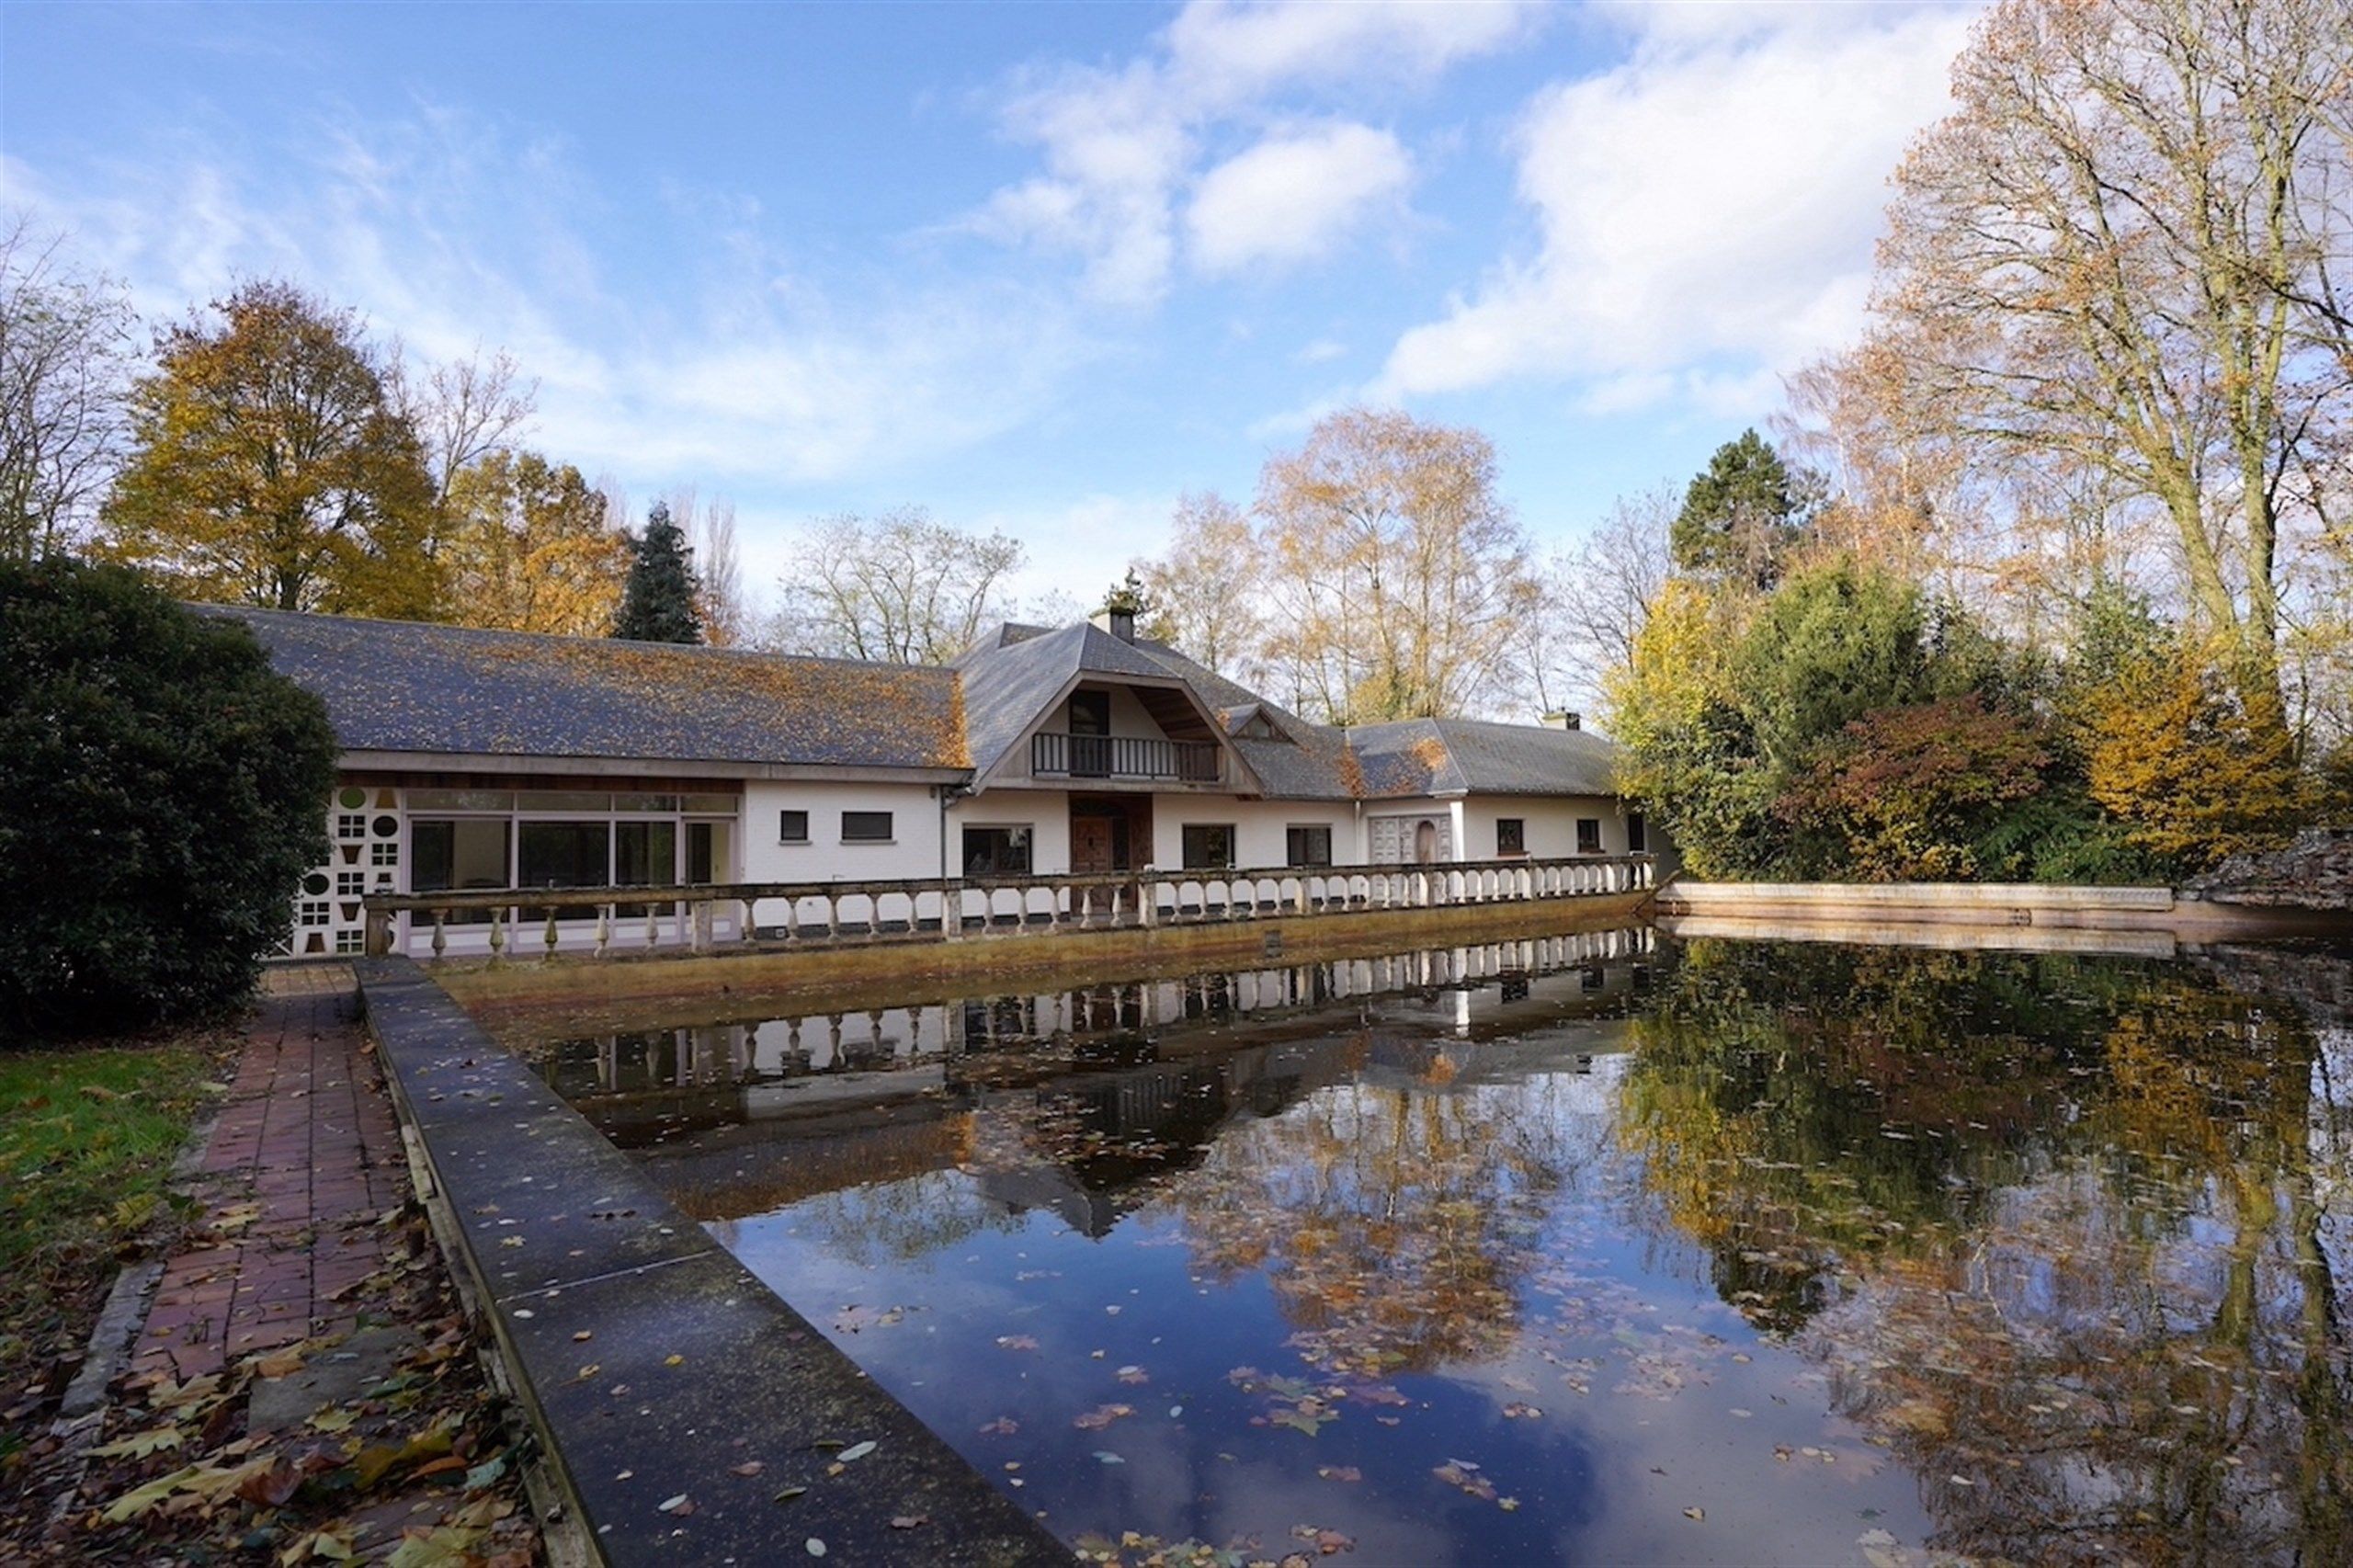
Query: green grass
{"x": 87, "y": 1138}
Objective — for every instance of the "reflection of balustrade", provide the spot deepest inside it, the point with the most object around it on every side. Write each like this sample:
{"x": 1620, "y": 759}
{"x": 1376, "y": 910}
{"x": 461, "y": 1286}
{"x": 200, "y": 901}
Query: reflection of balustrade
{"x": 604, "y": 919}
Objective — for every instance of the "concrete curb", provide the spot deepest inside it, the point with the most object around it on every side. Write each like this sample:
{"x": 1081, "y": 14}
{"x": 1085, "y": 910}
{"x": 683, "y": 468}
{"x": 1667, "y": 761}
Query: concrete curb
{"x": 650, "y": 1362}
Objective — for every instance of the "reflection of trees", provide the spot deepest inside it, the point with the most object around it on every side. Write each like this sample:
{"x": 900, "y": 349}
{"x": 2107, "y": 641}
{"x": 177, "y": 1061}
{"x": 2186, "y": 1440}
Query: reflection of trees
{"x": 2093, "y": 1283}
{"x": 1393, "y": 1221}
{"x": 896, "y": 1221}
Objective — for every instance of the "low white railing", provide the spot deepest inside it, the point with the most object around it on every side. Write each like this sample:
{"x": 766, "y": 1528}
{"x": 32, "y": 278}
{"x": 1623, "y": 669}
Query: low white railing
{"x": 511, "y": 922}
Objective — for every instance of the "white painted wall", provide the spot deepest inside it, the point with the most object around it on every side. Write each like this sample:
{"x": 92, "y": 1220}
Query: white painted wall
{"x": 1552, "y": 823}
{"x": 1261, "y": 827}
{"x": 1046, "y": 813}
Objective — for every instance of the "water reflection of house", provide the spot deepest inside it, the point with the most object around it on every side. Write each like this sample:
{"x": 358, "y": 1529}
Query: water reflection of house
{"x": 1127, "y": 1081}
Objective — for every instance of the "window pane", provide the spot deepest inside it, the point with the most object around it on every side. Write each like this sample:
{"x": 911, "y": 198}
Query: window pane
{"x": 710, "y": 805}
{"x": 996, "y": 852}
{"x": 563, "y": 801}
{"x": 1309, "y": 846}
{"x": 1511, "y": 835}
{"x": 461, "y": 799}
{"x": 1638, "y": 833}
{"x": 1208, "y": 846}
{"x": 792, "y": 827}
{"x": 465, "y": 856}
{"x": 865, "y": 827}
{"x": 645, "y": 853}
{"x": 564, "y": 855}
{"x": 1588, "y": 835}
{"x": 645, "y": 802}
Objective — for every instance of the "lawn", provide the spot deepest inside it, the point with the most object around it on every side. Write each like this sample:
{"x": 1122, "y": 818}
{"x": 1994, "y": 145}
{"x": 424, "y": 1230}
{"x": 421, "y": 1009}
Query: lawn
{"x": 87, "y": 1138}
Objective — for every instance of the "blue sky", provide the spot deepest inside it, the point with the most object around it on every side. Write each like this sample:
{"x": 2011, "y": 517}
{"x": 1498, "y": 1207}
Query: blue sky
{"x": 1035, "y": 267}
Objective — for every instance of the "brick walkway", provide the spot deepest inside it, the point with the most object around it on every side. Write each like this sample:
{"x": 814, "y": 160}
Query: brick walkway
{"x": 304, "y": 1158}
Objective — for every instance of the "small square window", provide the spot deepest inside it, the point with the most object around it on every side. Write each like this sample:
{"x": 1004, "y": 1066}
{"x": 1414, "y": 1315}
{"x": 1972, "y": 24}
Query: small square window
{"x": 1308, "y": 845}
{"x": 1511, "y": 835}
{"x": 1588, "y": 835}
{"x": 792, "y": 827}
{"x": 384, "y": 854}
{"x": 315, "y": 912}
{"x": 350, "y": 824}
{"x": 351, "y": 884}
{"x": 1208, "y": 846}
{"x": 866, "y": 827}
{"x": 351, "y": 942}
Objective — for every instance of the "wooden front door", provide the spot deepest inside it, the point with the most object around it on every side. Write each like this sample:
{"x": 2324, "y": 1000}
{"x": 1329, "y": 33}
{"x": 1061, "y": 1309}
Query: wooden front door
{"x": 1091, "y": 847}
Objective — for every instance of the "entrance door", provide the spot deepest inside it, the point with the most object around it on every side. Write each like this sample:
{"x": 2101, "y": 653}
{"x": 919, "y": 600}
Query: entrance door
{"x": 1092, "y": 848}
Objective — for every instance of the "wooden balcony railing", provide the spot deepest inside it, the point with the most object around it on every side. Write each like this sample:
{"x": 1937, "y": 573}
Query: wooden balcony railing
{"x": 1125, "y": 757}
{"x": 931, "y": 909}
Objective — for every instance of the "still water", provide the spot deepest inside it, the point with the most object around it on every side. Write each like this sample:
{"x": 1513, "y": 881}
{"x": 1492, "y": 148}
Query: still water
{"x": 1604, "y": 1249}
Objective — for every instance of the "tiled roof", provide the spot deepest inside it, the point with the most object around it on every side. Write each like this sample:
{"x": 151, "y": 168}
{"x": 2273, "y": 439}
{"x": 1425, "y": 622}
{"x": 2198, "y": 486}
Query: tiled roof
{"x": 405, "y": 687}
{"x": 1009, "y": 678}
{"x": 402, "y": 685}
{"x": 1434, "y": 756}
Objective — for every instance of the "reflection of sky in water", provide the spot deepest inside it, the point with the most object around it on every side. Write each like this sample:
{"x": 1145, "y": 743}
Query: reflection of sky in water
{"x": 1604, "y": 1475}
{"x": 1732, "y": 1253}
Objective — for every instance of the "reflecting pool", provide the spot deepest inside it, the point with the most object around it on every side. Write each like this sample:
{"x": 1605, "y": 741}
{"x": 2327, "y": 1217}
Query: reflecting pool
{"x": 1600, "y": 1248}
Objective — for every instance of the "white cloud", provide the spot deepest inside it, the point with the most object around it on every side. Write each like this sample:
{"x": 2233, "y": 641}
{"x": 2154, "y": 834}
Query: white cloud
{"x": 1224, "y": 51}
{"x": 1321, "y": 351}
{"x": 744, "y": 372}
{"x": 1291, "y": 198}
{"x": 1706, "y": 208}
{"x": 1121, "y": 145}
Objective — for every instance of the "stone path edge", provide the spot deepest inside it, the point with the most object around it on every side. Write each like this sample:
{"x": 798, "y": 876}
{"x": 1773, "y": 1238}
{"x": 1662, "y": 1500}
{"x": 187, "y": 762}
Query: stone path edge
{"x": 652, "y": 1365}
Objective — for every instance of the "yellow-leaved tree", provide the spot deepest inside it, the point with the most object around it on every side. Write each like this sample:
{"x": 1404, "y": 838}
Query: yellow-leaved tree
{"x": 2171, "y": 753}
{"x": 527, "y": 548}
{"x": 272, "y": 464}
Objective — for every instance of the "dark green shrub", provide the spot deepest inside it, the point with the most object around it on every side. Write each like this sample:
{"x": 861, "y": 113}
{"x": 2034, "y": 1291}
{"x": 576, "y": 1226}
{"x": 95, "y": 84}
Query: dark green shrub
{"x": 162, "y": 793}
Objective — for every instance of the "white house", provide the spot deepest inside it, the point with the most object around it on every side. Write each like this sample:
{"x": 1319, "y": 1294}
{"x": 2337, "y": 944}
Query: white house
{"x": 491, "y": 760}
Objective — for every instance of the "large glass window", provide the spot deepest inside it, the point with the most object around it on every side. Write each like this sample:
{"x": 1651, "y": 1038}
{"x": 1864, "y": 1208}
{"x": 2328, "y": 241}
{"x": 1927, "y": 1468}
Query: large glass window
{"x": 462, "y": 855}
{"x": 996, "y": 852}
{"x": 645, "y": 855}
{"x": 563, "y": 854}
{"x": 1208, "y": 846}
{"x": 1309, "y": 845}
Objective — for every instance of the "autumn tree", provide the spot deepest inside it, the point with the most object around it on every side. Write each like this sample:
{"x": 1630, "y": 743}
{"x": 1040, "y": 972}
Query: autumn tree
{"x": 2120, "y": 250}
{"x": 900, "y": 588}
{"x": 66, "y": 355}
{"x": 524, "y": 548}
{"x": 658, "y": 597}
{"x": 1741, "y": 514}
{"x": 1398, "y": 577}
{"x": 1203, "y": 590}
{"x": 2174, "y": 754}
{"x": 271, "y": 465}
{"x": 466, "y": 411}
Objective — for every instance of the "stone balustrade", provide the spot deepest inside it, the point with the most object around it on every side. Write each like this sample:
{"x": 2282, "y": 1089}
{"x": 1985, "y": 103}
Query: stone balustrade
{"x": 605, "y": 920}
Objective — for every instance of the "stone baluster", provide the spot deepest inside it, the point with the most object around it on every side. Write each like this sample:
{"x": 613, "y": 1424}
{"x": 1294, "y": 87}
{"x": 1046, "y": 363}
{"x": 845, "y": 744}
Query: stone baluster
{"x": 604, "y": 930}
{"x": 497, "y": 934}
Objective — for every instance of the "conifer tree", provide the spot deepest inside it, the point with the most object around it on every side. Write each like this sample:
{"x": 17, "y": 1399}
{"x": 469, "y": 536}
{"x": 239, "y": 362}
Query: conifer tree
{"x": 658, "y": 600}
{"x": 1740, "y": 515}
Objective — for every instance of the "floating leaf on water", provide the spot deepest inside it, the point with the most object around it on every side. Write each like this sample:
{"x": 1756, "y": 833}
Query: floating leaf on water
{"x": 1105, "y": 1455}
{"x": 1015, "y": 1342}
{"x": 857, "y": 1451}
{"x": 1003, "y": 1427}
{"x": 1695, "y": 1513}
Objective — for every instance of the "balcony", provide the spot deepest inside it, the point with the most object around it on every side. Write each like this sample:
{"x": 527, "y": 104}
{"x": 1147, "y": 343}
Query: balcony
{"x": 1126, "y": 758}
